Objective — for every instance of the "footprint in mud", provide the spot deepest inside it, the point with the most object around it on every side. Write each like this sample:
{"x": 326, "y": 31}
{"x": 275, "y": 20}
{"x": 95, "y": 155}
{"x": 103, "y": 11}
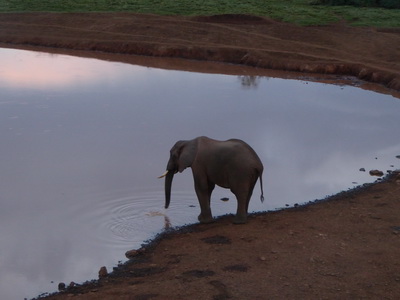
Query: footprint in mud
{"x": 395, "y": 229}
{"x": 217, "y": 239}
{"x": 145, "y": 296}
{"x": 236, "y": 268}
{"x": 222, "y": 290}
{"x": 142, "y": 272}
{"x": 189, "y": 275}
{"x": 198, "y": 273}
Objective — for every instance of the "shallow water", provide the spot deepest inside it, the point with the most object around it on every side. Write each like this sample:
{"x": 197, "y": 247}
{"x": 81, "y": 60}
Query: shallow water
{"x": 83, "y": 141}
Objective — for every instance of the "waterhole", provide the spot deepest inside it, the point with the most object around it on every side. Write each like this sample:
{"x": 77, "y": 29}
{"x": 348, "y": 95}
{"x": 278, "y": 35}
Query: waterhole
{"x": 83, "y": 141}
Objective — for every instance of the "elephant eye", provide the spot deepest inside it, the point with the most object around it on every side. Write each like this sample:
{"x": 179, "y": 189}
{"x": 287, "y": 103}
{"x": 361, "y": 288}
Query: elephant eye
{"x": 173, "y": 155}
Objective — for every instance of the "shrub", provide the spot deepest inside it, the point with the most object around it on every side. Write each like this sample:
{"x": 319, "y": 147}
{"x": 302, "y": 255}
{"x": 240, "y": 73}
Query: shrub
{"x": 364, "y": 3}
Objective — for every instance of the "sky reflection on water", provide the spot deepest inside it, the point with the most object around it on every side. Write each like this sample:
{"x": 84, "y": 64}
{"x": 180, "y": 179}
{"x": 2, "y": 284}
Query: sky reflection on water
{"x": 84, "y": 140}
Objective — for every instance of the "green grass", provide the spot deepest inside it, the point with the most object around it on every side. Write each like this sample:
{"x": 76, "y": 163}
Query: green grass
{"x": 301, "y": 12}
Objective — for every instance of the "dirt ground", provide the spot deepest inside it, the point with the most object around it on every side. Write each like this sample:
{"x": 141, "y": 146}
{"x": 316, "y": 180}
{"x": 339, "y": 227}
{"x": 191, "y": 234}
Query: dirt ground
{"x": 346, "y": 247}
{"x": 369, "y": 54}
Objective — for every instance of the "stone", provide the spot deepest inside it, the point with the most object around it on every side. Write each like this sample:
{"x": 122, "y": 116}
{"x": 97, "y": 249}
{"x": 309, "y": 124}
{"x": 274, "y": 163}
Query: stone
{"x": 132, "y": 253}
{"x": 61, "y": 286}
{"x": 103, "y": 272}
{"x": 376, "y": 173}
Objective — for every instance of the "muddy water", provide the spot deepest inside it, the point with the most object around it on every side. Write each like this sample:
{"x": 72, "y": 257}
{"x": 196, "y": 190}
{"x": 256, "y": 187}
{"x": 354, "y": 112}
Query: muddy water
{"x": 83, "y": 141}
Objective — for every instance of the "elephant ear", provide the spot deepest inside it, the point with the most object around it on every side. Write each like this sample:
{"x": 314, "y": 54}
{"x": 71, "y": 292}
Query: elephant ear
{"x": 187, "y": 155}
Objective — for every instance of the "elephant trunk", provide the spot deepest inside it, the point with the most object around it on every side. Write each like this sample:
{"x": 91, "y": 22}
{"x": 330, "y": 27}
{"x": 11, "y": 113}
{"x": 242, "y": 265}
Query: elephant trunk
{"x": 168, "y": 184}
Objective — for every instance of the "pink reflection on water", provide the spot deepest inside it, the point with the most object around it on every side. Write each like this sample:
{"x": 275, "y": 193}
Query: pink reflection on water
{"x": 40, "y": 70}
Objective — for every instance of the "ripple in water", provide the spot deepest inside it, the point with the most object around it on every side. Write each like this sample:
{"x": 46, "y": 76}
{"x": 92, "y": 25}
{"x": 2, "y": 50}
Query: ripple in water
{"x": 131, "y": 215}
{"x": 126, "y": 221}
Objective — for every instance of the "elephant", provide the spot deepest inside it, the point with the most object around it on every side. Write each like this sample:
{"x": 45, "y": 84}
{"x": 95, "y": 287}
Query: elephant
{"x": 229, "y": 164}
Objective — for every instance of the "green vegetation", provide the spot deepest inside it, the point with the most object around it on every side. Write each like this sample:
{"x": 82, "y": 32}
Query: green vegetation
{"x": 362, "y": 3}
{"x": 303, "y": 12}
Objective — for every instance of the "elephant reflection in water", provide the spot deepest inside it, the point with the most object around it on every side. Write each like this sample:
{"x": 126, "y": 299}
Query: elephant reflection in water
{"x": 229, "y": 164}
{"x": 167, "y": 221}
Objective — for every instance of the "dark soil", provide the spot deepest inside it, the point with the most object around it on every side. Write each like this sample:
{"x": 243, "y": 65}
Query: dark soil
{"x": 346, "y": 247}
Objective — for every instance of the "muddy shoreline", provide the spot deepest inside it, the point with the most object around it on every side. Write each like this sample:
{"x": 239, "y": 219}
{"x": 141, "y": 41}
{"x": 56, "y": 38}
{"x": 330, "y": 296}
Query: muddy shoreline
{"x": 368, "y": 54}
{"x": 307, "y": 251}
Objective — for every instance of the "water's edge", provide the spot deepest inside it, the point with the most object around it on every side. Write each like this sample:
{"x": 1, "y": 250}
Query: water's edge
{"x": 136, "y": 256}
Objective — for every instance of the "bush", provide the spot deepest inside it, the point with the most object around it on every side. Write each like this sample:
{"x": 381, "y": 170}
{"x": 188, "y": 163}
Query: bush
{"x": 390, "y": 3}
{"x": 364, "y": 3}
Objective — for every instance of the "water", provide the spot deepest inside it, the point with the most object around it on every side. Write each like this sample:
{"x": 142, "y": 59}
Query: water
{"x": 83, "y": 141}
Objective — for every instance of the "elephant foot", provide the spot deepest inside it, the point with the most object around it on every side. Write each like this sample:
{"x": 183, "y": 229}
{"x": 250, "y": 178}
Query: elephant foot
{"x": 240, "y": 220}
{"x": 205, "y": 220}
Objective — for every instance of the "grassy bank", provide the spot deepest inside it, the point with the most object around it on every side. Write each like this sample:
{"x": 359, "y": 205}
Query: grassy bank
{"x": 294, "y": 11}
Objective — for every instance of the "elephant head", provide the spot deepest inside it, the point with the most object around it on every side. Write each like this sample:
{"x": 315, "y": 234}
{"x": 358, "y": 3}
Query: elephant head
{"x": 182, "y": 155}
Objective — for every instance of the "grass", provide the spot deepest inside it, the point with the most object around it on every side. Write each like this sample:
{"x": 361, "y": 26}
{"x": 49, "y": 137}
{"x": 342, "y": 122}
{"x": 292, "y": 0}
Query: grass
{"x": 295, "y": 11}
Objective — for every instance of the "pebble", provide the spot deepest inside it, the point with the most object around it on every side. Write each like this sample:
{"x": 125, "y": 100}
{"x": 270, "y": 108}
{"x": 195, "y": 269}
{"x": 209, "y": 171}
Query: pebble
{"x": 376, "y": 173}
{"x": 103, "y": 272}
{"x": 61, "y": 286}
{"x": 132, "y": 253}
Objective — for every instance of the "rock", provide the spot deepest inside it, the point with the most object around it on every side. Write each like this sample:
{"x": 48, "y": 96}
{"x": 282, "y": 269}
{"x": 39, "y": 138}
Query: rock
{"x": 376, "y": 173}
{"x": 362, "y": 170}
{"x": 225, "y": 199}
{"x": 132, "y": 253}
{"x": 61, "y": 286}
{"x": 398, "y": 156}
{"x": 103, "y": 272}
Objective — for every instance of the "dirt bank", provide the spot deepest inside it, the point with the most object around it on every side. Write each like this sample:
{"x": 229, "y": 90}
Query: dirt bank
{"x": 347, "y": 247}
{"x": 366, "y": 53}
{"x": 344, "y": 248}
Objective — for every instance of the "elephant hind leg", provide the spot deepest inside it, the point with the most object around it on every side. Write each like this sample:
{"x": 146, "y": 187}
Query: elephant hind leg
{"x": 243, "y": 203}
{"x": 243, "y": 199}
{"x": 248, "y": 201}
{"x": 250, "y": 194}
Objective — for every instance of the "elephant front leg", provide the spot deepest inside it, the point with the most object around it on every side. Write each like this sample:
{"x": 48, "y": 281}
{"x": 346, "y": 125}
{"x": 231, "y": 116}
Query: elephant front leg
{"x": 203, "y": 192}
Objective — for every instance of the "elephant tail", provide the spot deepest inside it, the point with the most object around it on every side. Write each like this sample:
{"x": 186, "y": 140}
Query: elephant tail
{"x": 261, "y": 185}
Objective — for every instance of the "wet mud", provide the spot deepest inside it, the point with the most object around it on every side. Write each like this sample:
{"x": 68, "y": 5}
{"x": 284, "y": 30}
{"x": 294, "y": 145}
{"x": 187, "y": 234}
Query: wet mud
{"x": 345, "y": 245}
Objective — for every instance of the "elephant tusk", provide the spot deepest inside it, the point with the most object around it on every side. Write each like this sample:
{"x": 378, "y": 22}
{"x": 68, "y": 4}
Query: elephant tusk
{"x": 163, "y": 175}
